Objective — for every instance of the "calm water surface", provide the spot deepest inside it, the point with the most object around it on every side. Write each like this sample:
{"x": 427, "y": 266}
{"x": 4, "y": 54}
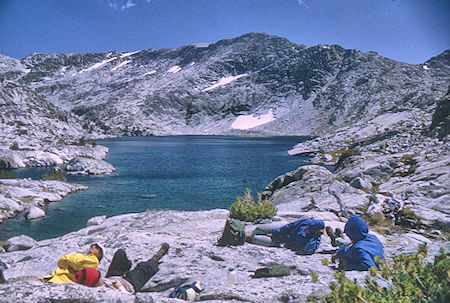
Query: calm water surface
{"x": 180, "y": 173}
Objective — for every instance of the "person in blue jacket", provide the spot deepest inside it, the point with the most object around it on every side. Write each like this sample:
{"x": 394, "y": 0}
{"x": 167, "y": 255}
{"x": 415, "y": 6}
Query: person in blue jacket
{"x": 364, "y": 249}
{"x": 302, "y": 236}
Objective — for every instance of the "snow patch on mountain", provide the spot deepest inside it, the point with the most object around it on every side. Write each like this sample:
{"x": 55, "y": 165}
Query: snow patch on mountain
{"x": 174, "y": 69}
{"x": 128, "y": 54}
{"x": 224, "y": 81}
{"x": 250, "y": 121}
{"x": 150, "y": 73}
{"x": 97, "y": 65}
{"x": 201, "y": 45}
{"x": 121, "y": 64}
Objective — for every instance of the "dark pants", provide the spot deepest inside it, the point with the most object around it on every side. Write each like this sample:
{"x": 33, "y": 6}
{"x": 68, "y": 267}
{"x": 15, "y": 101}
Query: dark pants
{"x": 120, "y": 266}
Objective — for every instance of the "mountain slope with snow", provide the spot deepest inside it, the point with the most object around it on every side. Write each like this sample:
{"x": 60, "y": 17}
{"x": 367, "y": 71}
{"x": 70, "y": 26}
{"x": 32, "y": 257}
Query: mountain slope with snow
{"x": 205, "y": 90}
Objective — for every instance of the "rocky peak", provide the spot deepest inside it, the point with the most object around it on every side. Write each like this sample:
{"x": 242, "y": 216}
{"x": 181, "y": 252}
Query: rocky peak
{"x": 10, "y": 68}
{"x": 188, "y": 89}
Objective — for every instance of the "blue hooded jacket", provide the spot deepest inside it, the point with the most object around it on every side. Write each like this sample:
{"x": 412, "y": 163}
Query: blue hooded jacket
{"x": 361, "y": 254}
{"x": 294, "y": 236}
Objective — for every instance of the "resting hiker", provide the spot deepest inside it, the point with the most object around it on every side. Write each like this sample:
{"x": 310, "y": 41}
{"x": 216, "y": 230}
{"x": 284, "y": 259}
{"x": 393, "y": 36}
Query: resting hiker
{"x": 119, "y": 275}
{"x": 302, "y": 236}
{"x": 71, "y": 263}
{"x": 364, "y": 249}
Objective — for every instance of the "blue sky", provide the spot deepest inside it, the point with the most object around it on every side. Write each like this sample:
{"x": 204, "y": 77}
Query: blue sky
{"x": 411, "y": 31}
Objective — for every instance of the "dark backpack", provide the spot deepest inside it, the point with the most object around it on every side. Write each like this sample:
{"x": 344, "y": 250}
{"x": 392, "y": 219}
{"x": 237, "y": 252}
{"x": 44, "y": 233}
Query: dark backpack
{"x": 233, "y": 233}
{"x": 274, "y": 270}
{"x": 188, "y": 292}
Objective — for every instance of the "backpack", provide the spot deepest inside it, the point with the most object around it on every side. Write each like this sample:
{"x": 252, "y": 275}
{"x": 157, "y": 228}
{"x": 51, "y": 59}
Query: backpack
{"x": 274, "y": 270}
{"x": 188, "y": 292}
{"x": 233, "y": 233}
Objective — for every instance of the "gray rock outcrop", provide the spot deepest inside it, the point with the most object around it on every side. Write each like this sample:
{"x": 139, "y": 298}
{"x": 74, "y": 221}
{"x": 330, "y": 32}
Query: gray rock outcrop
{"x": 17, "y": 195}
{"x": 20, "y": 243}
{"x": 34, "y": 212}
{"x": 193, "y": 256}
{"x": 86, "y": 166}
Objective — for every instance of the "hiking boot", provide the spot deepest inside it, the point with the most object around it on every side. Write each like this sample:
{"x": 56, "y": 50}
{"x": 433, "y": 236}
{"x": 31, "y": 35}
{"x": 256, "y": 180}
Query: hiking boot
{"x": 161, "y": 252}
{"x": 332, "y": 235}
{"x": 338, "y": 232}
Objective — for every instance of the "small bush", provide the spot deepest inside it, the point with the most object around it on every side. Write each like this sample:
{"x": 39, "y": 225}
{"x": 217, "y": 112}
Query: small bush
{"x": 378, "y": 219}
{"x": 7, "y": 174}
{"x": 407, "y": 279}
{"x": 54, "y": 174}
{"x": 406, "y": 211}
{"x": 93, "y": 143}
{"x": 314, "y": 276}
{"x": 27, "y": 199}
{"x": 246, "y": 209}
{"x": 344, "y": 154}
{"x": 80, "y": 142}
{"x": 409, "y": 159}
{"x": 14, "y": 146}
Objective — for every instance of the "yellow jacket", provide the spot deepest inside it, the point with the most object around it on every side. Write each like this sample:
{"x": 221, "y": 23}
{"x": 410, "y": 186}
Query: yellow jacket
{"x": 69, "y": 265}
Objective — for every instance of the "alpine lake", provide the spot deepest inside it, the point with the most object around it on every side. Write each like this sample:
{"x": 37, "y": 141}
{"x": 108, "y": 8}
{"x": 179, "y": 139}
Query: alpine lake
{"x": 162, "y": 173}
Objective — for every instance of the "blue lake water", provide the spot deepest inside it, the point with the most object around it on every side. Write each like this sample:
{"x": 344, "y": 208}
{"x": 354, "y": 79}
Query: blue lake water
{"x": 176, "y": 172}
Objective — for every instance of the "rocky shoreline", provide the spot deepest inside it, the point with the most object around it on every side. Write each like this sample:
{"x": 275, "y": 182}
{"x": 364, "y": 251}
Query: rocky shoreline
{"x": 17, "y": 195}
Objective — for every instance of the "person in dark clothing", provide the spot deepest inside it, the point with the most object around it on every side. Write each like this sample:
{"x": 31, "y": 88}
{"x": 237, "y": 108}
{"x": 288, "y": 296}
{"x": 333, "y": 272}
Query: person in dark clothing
{"x": 3, "y": 266}
{"x": 302, "y": 236}
{"x": 119, "y": 275}
{"x": 364, "y": 249}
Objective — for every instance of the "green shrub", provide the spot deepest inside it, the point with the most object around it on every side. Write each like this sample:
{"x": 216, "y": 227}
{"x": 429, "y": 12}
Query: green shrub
{"x": 246, "y": 209}
{"x": 7, "y": 174}
{"x": 344, "y": 154}
{"x": 93, "y": 143}
{"x": 407, "y": 279}
{"x": 54, "y": 174}
{"x": 80, "y": 142}
{"x": 314, "y": 276}
{"x": 14, "y": 146}
{"x": 378, "y": 221}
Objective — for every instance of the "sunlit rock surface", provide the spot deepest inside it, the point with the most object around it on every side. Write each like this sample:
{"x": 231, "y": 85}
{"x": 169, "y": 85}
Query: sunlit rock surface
{"x": 17, "y": 195}
{"x": 193, "y": 256}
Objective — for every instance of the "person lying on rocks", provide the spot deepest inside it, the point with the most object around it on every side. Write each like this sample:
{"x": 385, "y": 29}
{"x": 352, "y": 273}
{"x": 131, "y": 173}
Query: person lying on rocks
{"x": 119, "y": 275}
{"x": 302, "y": 236}
{"x": 69, "y": 264}
{"x": 364, "y": 249}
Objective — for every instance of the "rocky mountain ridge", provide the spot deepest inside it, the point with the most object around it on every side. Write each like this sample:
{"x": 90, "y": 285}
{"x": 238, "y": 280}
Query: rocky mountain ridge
{"x": 203, "y": 89}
